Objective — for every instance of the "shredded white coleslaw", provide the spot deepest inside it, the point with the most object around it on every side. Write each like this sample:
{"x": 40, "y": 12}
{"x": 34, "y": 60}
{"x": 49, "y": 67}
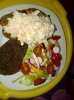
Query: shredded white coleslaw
{"x": 29, "y": 28}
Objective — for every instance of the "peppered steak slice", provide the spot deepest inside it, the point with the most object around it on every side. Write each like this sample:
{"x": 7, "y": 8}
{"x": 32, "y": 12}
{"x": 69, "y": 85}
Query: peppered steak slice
{"x": 11, "y": 56}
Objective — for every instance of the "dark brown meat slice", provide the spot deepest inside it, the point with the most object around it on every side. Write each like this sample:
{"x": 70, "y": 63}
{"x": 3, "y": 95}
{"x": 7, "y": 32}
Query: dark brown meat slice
{"x": 11, "y": 56}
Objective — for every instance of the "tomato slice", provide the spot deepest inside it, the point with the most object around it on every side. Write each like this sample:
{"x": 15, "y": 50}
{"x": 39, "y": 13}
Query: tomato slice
{"x": 55, "y": 37}
{"x": 37, "y": 50}
{"x": 39, "y": 81}
{"x": 25, "y": 68}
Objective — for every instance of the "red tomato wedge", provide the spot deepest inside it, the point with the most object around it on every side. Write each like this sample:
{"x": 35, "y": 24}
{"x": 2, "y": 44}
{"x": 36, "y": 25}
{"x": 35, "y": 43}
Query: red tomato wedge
{"x": 56, "y": 59}
{"x": 59, "y": 55}
{"x": 55, "y": 37}
{"x": 39, "y": 81}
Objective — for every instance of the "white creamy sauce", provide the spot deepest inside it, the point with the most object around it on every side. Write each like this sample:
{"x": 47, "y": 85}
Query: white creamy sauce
{"x": 29, "y": 28}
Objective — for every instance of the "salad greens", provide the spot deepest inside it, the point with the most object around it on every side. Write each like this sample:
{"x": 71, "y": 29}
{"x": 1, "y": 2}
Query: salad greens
{"x": 40, "y": 62}
{"x": 28, "y": 53}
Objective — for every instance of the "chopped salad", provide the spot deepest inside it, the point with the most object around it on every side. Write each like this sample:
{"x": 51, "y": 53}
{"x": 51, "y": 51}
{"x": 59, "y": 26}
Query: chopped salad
{"x": 41, "y": 62}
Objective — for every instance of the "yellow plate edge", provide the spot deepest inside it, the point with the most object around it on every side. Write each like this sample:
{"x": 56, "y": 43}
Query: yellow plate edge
{"x": 54, "y": 6}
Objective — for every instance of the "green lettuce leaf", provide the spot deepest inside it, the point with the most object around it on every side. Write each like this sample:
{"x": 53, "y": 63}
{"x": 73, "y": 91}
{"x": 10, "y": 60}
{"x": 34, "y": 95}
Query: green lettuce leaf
{"x": 28, "y": 54}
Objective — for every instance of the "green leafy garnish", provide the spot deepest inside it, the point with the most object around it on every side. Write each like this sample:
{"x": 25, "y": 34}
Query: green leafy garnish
{"x": 14, "y": 81}
{"x": 28, "y": 54}
{"x": 27, "y": 81}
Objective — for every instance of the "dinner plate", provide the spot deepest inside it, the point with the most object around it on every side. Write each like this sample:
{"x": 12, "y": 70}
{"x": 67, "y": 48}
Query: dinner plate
{"x": 8, "y": 79}
{"x": 63, "y": 30}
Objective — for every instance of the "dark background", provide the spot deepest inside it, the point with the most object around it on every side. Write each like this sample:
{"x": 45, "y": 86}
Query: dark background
{"x": 69, "y": 7}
